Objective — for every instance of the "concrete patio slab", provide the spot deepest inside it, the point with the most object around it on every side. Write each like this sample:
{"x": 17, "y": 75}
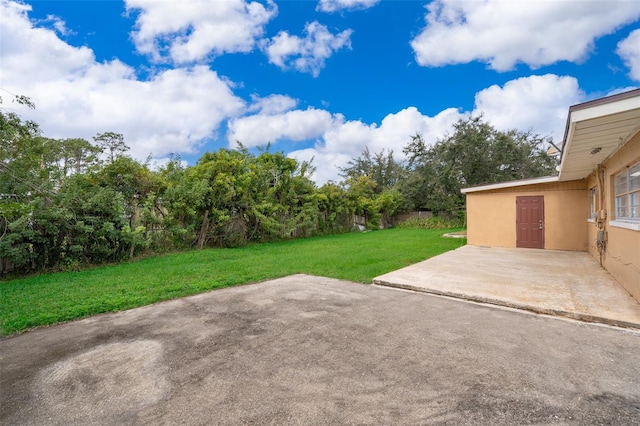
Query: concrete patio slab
{"x": 561, "y": 283}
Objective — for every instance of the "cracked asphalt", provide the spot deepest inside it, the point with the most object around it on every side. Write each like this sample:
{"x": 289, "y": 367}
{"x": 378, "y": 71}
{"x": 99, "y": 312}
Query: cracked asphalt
{"x": 311, "y": 350}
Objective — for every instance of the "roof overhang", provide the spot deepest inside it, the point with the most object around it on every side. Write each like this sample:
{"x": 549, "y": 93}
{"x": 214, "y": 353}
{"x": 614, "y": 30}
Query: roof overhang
{"x": 510, "y": 184}
{"x": 596, "y": 130}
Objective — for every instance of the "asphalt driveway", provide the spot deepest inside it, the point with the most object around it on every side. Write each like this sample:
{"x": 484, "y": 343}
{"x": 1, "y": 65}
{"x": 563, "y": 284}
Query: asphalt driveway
{"x": 309, "y": 350}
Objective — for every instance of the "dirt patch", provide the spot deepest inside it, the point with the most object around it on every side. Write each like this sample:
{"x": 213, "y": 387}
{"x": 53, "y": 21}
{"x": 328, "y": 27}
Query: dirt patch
{"x": 108, "y": 383}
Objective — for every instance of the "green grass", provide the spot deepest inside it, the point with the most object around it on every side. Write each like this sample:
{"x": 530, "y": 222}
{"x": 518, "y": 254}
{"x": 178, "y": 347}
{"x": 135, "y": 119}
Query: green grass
{"x": 51, "y": 298}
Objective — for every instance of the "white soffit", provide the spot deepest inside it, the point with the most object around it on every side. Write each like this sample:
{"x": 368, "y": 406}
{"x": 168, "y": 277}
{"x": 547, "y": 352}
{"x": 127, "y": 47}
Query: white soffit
{"x": 510, "y": 184}
{"x": 596, "y": 130}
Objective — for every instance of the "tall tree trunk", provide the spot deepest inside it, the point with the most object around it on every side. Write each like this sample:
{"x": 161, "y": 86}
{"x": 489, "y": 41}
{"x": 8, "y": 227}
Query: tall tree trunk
{"x": 132, "y": 249}
{"x": 202, "y": 236}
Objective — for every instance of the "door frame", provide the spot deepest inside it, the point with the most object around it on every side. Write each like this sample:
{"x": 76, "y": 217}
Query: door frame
{"x": 542, "y": 240}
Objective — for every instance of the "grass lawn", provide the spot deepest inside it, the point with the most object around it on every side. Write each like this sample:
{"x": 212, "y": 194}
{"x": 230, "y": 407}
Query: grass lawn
{"x": 51, "y": 298}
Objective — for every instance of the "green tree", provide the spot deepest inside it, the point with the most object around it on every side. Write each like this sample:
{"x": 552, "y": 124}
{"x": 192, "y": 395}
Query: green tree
{"x": 335, "y": 209}
{"x": 381, "y": 167}
{"x": 112, "y": 143}
{"x": 24, "y": 186}
{"x": 78, "y": 156}
{"x": 132, "y": 180}
{"x": 180, "y": 205}
{"x": 388, "y": 203}
{"x": 97, "y": 229}
{"x": 474, "y": 154}
{"x": 222, "y": 213}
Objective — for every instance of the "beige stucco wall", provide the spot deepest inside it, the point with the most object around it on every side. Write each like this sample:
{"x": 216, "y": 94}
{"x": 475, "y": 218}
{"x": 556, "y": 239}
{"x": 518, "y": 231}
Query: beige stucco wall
{"x": 491, "y": 218}
{"x": 622, "y": 255}
{"x": 491, "y": 215}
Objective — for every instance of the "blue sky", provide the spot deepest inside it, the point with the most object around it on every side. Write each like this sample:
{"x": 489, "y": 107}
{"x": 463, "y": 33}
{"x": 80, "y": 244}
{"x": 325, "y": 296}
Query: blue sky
{"x": 321, "y": 79}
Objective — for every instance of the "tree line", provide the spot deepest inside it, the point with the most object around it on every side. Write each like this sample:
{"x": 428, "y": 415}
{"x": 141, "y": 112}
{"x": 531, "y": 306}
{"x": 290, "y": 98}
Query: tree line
{"x": 65, "y": 203}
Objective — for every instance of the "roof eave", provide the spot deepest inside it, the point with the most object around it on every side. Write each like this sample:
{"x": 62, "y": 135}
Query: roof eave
{"x": 510, "y": 184}
{"x": 594, "y": 110}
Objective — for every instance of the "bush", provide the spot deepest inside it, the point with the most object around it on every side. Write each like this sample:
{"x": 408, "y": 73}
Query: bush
{"x": 434, "y": 222}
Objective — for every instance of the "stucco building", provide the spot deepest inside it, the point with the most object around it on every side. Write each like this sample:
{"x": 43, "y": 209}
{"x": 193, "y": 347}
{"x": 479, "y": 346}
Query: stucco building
{"x": 593, "y": 204}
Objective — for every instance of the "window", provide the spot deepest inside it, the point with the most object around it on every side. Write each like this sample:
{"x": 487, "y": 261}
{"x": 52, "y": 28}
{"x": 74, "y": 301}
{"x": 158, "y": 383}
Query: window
{"x": 627, "y": 193}
{"x": 593, "y": 203}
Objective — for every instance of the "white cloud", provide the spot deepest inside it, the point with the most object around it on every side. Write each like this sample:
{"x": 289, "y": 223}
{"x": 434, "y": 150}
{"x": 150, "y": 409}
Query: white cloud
{"x": 394, "y": 131}
{"x": 193, "y": 30}
{"x": 59, "y": 25}
{"x": 629, "y": 51}
{"x": 346, "y": 140}
{"x": 503, "y": 32}
{"x": 619, "y": 90}
{"x": 35, "y": 54}
{"x": 539, "y": 103}
{"x": 176, "y": 110}
{"x": 297, "y": 125}
{"x": 326, "y": 163}
{"x": 306, "y": 54}
{"x": 335, "y": 5}
{"x": 272, "y": 104}
{"x": 158, "y": 163}
{"x": 76, "y": 96}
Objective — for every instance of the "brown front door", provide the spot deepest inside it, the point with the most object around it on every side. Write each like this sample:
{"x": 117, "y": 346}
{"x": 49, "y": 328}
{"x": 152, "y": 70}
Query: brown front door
{"x": 530, "y": 222}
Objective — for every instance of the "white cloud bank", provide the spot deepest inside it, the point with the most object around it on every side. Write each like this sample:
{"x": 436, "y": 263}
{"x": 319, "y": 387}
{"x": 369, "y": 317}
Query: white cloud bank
{"x": 537, "y": 103}
{"x": 297, "y": 125}
{"x": 306, "y": 54}
{"x": 272, "y": 104}
{"x": 503, "y": 33}
{"x": 76, "y": 96}
{"x": 336, "y": 5}
{"x": 346, "y": 139}
{"x": 198, "y": 29}
{"x": 629, "y": 51}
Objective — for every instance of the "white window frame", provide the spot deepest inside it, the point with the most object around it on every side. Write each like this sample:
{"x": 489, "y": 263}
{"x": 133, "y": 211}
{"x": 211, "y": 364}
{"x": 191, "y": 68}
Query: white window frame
{"x": 626, "y": 189}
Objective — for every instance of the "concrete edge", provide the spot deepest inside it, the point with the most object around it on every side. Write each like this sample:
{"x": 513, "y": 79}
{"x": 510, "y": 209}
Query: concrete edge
{"x": 454, "y": 235}
{"x": 530, "y": 308}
